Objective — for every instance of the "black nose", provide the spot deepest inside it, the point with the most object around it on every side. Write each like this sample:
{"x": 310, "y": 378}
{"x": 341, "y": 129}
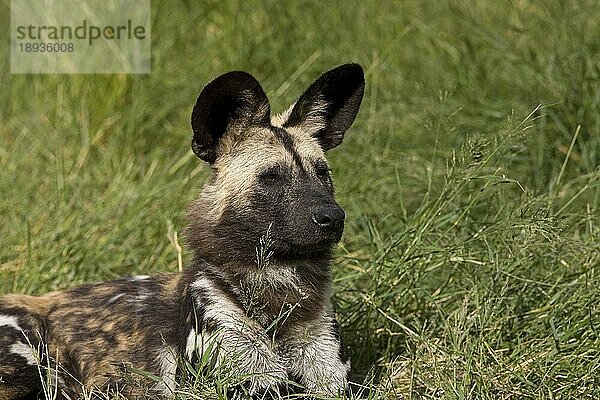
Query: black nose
{"x": 329, "y": 217}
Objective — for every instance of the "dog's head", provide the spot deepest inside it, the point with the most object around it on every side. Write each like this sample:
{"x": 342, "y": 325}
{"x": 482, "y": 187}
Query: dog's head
{"x": 270, "y": 171}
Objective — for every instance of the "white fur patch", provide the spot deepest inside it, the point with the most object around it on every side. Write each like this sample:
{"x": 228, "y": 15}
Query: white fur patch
{"x": 9, "y": 320}
{"x": 139, "y": 277}
{"x": 315, "y": 357}
{"x": 277, "y": 277}
{"x": 141, "y": 298}
{"x": 198, "y": 344}
{"x": 167, "y": 362}
{"x": 115, "y": 298}
{"x": 220, "y": 309}
{"x": 24, "y": 351}
{"x": 190, "y": 344}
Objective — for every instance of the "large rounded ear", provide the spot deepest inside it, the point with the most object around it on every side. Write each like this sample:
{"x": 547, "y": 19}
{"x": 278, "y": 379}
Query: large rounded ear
{"x": 235, "y": 98}
{"x": 328, "y": 107}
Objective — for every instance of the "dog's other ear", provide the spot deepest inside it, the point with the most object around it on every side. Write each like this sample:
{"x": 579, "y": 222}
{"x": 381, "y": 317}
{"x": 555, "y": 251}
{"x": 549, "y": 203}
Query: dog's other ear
{"x": 235, "y": 98}
{"x": 328, "y": 107}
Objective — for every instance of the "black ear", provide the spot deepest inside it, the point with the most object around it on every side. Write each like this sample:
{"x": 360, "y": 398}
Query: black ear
{"x": 329, "y": 106}
{"x": 233, "y": 98}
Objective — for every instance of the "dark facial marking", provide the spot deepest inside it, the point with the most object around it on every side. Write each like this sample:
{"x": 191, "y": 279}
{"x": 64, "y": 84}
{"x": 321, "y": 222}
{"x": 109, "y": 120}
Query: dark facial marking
{"x": 288, "y": 144}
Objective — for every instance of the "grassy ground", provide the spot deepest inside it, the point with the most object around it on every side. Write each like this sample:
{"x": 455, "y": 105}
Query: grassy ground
{"x": 470, "y": 262}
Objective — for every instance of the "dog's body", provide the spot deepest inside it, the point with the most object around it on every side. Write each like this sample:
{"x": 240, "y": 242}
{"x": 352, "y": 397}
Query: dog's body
{"x": 266, "y": 313}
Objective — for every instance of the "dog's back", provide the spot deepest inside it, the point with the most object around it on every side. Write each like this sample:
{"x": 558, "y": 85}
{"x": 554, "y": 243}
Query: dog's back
{"x": 88, "y": 336}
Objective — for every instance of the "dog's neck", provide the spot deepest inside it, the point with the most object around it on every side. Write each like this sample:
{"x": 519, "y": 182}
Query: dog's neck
{"x": 281, "y": 292}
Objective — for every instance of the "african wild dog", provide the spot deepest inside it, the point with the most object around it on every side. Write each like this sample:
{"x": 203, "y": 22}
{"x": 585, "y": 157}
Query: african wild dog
{"x": 270, "y": 180}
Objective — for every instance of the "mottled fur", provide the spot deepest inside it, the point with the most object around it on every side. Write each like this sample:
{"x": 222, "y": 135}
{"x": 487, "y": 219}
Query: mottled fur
{"x": 269, "y": 317}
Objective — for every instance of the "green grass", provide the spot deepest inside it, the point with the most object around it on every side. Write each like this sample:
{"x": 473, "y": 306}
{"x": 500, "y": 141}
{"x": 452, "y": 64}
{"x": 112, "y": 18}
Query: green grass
{"x": 470, "y": 262}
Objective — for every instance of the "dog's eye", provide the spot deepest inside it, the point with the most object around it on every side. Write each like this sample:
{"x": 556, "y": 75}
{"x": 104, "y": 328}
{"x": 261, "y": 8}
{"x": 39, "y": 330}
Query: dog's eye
{"x": 322, "y": 171}
{"x": 270, "y": 175}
